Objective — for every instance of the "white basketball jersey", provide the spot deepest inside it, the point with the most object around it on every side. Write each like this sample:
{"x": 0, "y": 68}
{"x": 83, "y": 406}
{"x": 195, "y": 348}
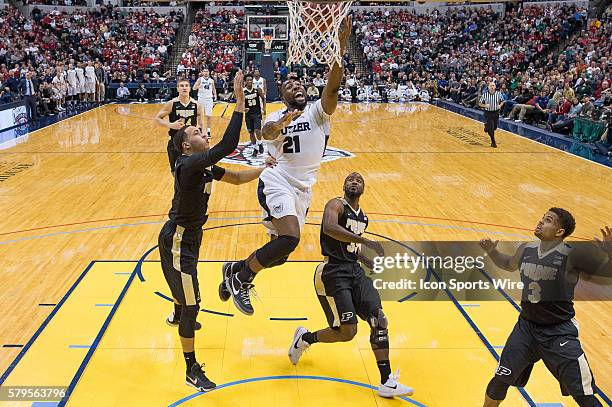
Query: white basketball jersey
{"x": 90, "y": 73}
{"x": 206, "y": 88}
{"x": 300, "y": 146}
{"x": 259, "y": 83}
{"x": 79, "y": 74}
{"x": 72, "y": 77}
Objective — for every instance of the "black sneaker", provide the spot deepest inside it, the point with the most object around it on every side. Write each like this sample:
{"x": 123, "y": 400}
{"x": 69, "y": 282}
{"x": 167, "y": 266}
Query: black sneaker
{"x": 196, "y": 378}
{"x": 255, "y": 152}
{"x": 227, "y": 270}
{"x": 240, "y": 294}
{"x": 172, "y": 320}
{"x": 261, "y": 150}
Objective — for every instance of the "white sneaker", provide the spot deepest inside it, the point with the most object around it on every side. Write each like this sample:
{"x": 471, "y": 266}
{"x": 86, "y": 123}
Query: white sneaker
{"x": 392, "y": 387}
{"x": 298, "y": 346}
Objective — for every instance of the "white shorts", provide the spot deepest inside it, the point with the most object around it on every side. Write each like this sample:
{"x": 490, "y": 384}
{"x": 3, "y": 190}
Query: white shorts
{"x": 278, "y": 198}
{"x": 90, "y": 87}
{"x": 72, "y": 89}
{"x": 81, "y": 87}
{"x": 207, "y": 104}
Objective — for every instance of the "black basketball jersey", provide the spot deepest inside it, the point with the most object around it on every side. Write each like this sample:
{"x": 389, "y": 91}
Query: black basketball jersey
{"x": 188, "y": 114}
{"x": 549, "y": 280}
{"x": 253, "y": 101}
{"x": 192, "y": 189}
{"x": 353, "y": 221}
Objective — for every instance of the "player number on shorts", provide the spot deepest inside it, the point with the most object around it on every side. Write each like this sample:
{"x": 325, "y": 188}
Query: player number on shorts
{"x": 291, "y": 144}
{"x": 536, "y": 292}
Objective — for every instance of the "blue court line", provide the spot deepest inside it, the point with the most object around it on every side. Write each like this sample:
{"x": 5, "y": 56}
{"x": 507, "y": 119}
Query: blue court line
{"x": 289, "y": 377}
{"x": 45, "y": 404}
{"x": 104, "y": 305}
{"x": 406, "y": 298}
{"x": 138, "y": 268}
{"x": 10, "y": 345}
{"x": 42, "y": 326}
{"x": 498, "y": 347}
{"x": 289, "y": 319}
{"x": 46, "y": 305}
{"x": 518, "y": 308}
{"x": 549, "y": 405}
{"x": 216, "y": 312}
{"x": 79, "y": 346}
{"x": 96, "y": 342}
{"x": 165, "y": 297}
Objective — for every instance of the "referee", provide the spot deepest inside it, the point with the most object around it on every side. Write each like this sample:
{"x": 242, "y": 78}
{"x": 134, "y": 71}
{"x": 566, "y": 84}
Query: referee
{"x": 491, "y": 101}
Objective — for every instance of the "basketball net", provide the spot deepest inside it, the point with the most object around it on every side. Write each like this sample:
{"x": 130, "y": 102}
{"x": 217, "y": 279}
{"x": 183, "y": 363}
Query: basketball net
{"x": 315, "y": 30}
{"x": 267, "y": 44}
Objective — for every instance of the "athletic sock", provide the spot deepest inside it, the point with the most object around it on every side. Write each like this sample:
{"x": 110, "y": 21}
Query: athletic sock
{"x": 190, "y": 359}
{"x": 245, "y": 274}
{"x": 310, "y": 337}
{"x": 177, "y": 312}
{"x": 385, "y": 370}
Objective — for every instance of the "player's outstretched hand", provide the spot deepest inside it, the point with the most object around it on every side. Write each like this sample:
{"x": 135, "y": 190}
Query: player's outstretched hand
{"x": 177, "y": 125}
{"x": 289, "y": 117}
{"x": 345, "y": 32}
{"x": 270, "y": 161}
{"x": 606, "y": 241}
{"x": 239, "y": 91}
{"x": 488, "y": 245}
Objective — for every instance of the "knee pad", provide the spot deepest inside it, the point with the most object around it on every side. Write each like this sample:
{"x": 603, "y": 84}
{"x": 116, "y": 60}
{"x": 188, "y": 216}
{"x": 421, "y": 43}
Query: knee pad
{"x": 497, "y": 389}
{"x": 277, "y": 249}
{"x": 587, "y": 401}
{"x": 189, "y": 314}
{"x": 379, "y": 335}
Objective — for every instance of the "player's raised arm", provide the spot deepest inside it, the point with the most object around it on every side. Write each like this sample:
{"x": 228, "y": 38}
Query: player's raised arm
{"x": 329, "y": 97}
{"x": 271, "y": 130}
{"x": 246, "y": 176}
{"x": 230, "y": 139}
{"x": 163, "y": 113}
{"x": 595, "y": 266}
{"x": 201, "y": 116}
{"x": 261, "y": 94}
{"x": 503, "y": 261}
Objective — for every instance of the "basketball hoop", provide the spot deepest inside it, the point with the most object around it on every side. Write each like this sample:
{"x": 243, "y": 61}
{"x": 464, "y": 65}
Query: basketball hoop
{"x": 267, "y": 44}
{"x": 315, "y": 29}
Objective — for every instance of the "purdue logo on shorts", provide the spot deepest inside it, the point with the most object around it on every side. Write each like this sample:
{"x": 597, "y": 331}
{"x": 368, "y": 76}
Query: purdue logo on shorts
{"x": 503, "y": 371}
{"x": 346, "y": 316}
{"x": 243, "y": 155}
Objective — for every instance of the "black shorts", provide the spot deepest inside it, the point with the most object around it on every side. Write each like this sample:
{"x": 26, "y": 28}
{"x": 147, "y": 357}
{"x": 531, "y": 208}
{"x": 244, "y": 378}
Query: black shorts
{"x": 557, "y": 345}
{"x": 253, "y": 122}
{"x": 173, "y": 155}
{"x": 179, "y": 249}
{"x": 345, "y": 292}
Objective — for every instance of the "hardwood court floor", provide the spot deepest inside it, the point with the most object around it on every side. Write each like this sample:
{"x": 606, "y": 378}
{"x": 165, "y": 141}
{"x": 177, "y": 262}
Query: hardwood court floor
{"x": 97, "y": 187}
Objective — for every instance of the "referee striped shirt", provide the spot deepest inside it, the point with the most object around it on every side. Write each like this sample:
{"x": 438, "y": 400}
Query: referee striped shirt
{"x": 494, "y": 100}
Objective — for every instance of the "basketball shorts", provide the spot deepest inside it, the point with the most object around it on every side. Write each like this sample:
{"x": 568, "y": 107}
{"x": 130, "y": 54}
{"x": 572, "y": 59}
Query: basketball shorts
{"x": 72, "y": 89}
{"x": 559, "y": 348}
{"x": 179, "y": 249}
{"x": 253, "y": 122}
{"x": 278, "y": 198}
{"x": 208, "y": 105}
{"x": 345, "y": 293}
{"x": 173, "y": 155}
{"x": 81, "y": 87}
{"x": 90, "y": 87}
